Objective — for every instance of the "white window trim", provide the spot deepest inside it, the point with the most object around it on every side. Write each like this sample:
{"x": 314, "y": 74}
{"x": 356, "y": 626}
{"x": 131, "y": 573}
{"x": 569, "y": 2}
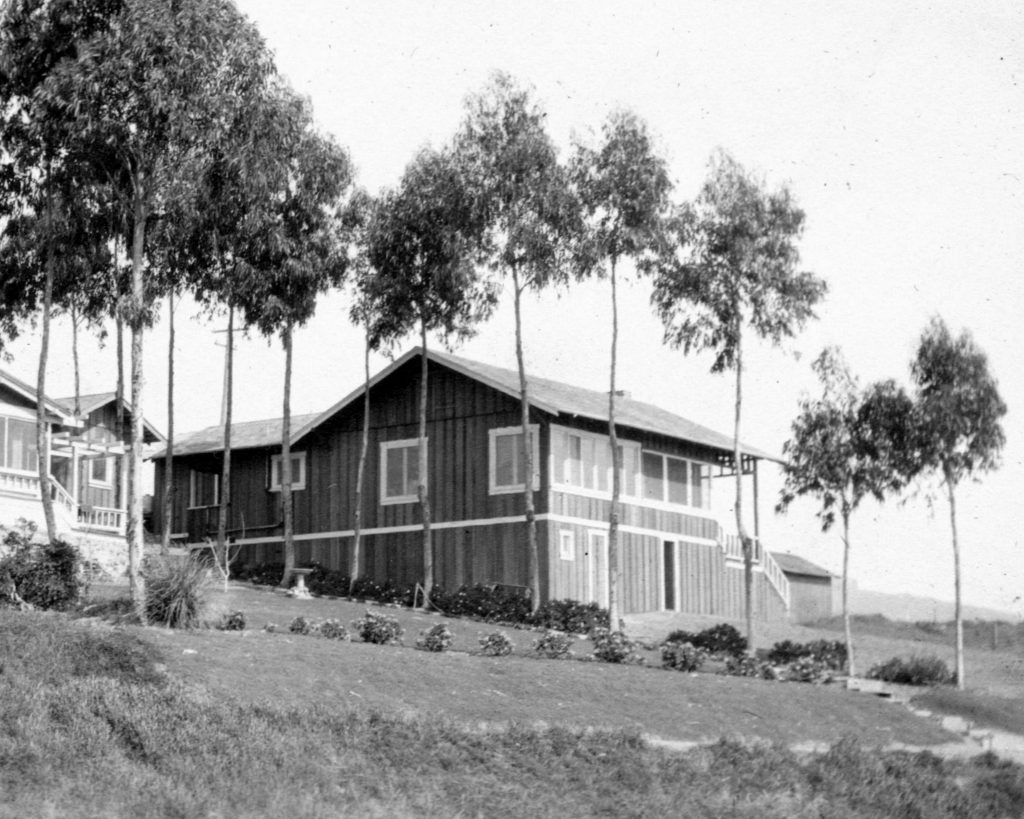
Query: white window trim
{"x": 664, "y": 502}
{"x": 492, "y": 436}
{"x": 192, "y": 490}
{"x": 566, "y": 545}
{"x": 557, "y": 469}
{"x": 107, "y": 484}
{"x": 385, "y": 500}
{"x": 29, "y": 417}
{"x": 298, "y": 483}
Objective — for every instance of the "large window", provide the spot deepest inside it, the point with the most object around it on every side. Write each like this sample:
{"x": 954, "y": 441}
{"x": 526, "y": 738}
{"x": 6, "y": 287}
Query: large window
{"x": 203, "y": 489}
{"x": 298, "y": 475}
{"x": 676, "y": 480}
{"x": 18, "y": 445}
{"x": 399, "y": 471}
{"x": 506, "y": 459}
{"x": 101, "y": 472}
{"x": 583, "y": 460}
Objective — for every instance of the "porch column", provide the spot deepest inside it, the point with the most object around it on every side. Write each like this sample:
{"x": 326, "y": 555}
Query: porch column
{"x": 757, "y": 515}
{"x": 74, "y": 472}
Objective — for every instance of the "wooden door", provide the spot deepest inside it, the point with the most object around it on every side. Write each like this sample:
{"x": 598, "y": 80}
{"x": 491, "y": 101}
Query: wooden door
{"x": 597, "y": 556}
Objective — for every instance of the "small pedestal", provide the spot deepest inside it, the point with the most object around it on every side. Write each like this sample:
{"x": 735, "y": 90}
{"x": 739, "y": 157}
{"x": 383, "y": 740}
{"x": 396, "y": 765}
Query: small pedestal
{"x": 299, "y": 590}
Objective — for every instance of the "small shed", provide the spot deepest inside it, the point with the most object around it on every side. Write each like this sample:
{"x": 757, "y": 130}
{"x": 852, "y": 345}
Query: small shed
{"x": 813, "y": 590}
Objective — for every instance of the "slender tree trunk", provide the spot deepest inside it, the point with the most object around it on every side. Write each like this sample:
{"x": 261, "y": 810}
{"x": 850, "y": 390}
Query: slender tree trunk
{"x": 357, "y": 521}
{"x": 421, "y": 489}
{"x": 225, "y": 477}
{"x": 168, "y": 499}
{"x": 74, "y": 361}
{"x": 286, "y": 460}
{"x": 42, "y": 438}
{"x": 741, "y": 530}
{"x": 533, "y": 560}
{"x": 136, "y": 581}
{"x": 851, "y": 668}
{"x": 957, "y": 612}
{"x": 119, "y": 388}
{"x": 614, "y": 615}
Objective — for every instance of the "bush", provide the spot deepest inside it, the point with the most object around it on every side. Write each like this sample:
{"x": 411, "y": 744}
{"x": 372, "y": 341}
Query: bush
{"x": 614, "y": 647}
{"x": 233, "y": 622}
{"x": 928, "y": 670}
{"x": 747, "y": 666}
{"x": 262, "y": 574}
{"x": 47, "y": 575}
{"x": 807, "y": 669}
{"x": 378, "y": 628}
{"x": 271, "y": 628}
{"x": 333, "y": 630}
{"x": 682, "y": 656}
{"x": 435, "y": 638}
{"x": 176, "y": 592}
{"x": 488, "y": 603}
{"x": 830, "y": 653}
{"x": 496, "y": 644}
{"x": 570, "y": 616}
{"x": 722, "y": 640}
{"x": 554, "y": 645}
{"x": 301, "y": 625}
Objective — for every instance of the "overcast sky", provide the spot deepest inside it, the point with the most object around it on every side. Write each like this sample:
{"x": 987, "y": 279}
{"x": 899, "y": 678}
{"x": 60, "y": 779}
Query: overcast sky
{"x": 897, "y": 126}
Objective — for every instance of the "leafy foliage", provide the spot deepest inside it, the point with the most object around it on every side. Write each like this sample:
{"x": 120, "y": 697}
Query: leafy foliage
{"x": 927, "y": 670}
{"x": 436, "y": 638}
{"x": 615, "y": 647}
{"x": 570, "y": 616}
{"x": 722, "y": 639}
{"x": 830, "y": 652}
{"x": 332, "y": 629}
{"x": 176, "y": 592}
{"x": 748, "y": 666}
{"x": 682, "y": 656}
{"x": 235, "y": 621}
{"x": 378, "y": 628}
{"x": 301, "y": 625}
{"x": 554, "y": 645}
{"x": 496, "y": 644}
{"x": 47, "y": 575}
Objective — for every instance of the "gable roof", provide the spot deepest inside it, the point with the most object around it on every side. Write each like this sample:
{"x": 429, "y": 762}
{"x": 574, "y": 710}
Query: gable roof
{"x": 28, "y": 392}
{"x": 556, "y": 398}
{"x": 794, "y": 564}
{"x": 245, "y": 435}
{"x": 91, "y": 403}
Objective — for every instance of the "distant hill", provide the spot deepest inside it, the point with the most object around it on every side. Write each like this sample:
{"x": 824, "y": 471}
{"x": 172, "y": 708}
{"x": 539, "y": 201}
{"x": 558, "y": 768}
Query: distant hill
{"x": 912, "y": 608}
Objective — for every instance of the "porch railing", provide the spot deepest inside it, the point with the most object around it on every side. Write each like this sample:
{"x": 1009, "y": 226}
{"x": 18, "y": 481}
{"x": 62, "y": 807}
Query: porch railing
{"x": 102, "y": 517}
{"x": 19, "y": 483}
{"x": 733, "y": 547}
{"x": 74, "y": 515}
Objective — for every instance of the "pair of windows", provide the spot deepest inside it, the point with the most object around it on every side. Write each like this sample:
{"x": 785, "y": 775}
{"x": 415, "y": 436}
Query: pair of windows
{"x": 18, "y": 445}
{"x": 667, "y": 479}
{"x": 400, "y": 465}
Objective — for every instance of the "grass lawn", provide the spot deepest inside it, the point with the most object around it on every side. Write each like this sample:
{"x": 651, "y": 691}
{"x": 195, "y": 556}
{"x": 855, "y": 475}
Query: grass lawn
{"x": 97, "y": 721}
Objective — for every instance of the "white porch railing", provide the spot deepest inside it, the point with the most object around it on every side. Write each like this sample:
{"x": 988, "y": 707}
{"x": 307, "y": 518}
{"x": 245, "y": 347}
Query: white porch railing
{"x": 20, "y": 483}
{"x": 733, "y": 547}
{"x": 72, "y": 515}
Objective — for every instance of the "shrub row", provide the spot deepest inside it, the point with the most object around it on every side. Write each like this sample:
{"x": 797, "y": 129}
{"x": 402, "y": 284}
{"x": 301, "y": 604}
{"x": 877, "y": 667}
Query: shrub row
{"x": 492, "y": 604}
{"x": 722, "y": 640}
{"x": 929, "y": 670}
{"x": 830, "y": 653}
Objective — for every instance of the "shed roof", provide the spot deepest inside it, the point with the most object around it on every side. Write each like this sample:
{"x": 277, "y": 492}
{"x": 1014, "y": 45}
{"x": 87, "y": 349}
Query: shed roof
{"x": 794, "y": 564}
{"x": 557, "y": 398}
{"x": 244, "y": 435}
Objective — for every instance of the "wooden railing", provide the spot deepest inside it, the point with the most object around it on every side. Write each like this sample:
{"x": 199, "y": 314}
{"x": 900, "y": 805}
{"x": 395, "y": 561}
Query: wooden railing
{"x": 102, "y": 517}
{"x": 733, "y": 547}
{"x": 63, "y": 499}
{"x": 19, "y": 483}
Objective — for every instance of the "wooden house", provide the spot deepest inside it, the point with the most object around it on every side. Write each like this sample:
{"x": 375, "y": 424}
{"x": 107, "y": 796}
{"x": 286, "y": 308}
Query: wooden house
{"x": 87, "y": 460}
{"x": 677, "y": 552}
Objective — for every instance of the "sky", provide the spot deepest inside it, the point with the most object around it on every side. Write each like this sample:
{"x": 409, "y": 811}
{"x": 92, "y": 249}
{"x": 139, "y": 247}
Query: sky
{"x": 898, "y": 127}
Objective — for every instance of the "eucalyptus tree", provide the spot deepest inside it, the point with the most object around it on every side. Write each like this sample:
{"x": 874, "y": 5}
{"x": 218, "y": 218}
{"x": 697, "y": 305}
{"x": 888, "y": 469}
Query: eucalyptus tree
{"x": 423, "y": 244}
{"x": 959, "y": 427}
{"x": 735, "y": 267}
{"x": 147, "y": 97}
{"x": 294, "y": 256}
{"x": 846, "y": 445}
{"x": 624, "y": 187}
{"x": 532, "y": 219}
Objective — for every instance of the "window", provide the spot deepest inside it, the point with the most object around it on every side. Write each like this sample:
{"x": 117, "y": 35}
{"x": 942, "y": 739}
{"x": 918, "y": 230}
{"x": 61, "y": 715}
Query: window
{"x": 583, "y": 460}
{"x": 298, "y": 475}
{"x": 566, "y": 545}
{"x": 675, "y": 480}
{"x": 506, "y": 459}
{"x": 101, "y": 472}
{"x": 19, "y": 445}
{"x": 203, "y": 489}
{"x": 399, "y": 471}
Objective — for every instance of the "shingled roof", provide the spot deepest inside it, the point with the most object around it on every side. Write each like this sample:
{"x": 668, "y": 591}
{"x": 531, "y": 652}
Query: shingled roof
{"x": 557, "y": 398}
{"x": 244, "y": 435}
{"x": 93, "y": 401}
